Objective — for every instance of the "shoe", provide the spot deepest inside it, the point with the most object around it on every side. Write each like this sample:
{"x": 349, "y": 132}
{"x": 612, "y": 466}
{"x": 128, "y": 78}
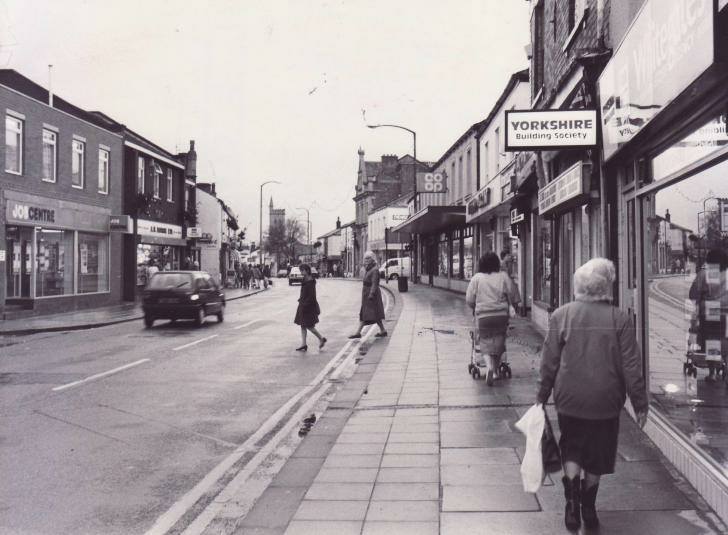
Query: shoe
{"x": 572, "y": 510}
{"x": 588, "y": 505}
{"x": 357, "y": 335}
{"x": 322, "y": 343}
{"x": 381, "y": 334}
{"x": 302, "y": 348}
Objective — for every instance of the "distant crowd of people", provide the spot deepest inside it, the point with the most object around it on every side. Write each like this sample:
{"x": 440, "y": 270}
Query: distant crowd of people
{"x": 251, "y": 276}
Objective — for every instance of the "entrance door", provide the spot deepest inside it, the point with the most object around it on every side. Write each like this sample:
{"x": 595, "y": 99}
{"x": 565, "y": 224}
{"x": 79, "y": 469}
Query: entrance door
{"x": 19, "y": 247}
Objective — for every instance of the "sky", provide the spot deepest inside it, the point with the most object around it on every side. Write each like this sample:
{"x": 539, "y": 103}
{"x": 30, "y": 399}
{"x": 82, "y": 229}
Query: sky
{"x": 276, "y": 90}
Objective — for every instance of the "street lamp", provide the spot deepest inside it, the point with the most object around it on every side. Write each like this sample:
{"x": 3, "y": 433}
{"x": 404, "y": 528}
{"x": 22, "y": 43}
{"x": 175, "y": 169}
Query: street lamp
{"x": 260, "y": 243}
{"x": 308, "y": 220}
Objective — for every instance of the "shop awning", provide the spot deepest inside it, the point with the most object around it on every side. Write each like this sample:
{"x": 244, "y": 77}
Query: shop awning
{"x": 432, "y": 219}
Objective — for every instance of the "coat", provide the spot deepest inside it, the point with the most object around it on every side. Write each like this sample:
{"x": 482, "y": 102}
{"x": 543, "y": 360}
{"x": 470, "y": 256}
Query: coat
{"x": 490, "y": 294}
{"x": 372, "y": 307}
{"x": 591, "y": 360}
{"x": 308, "y": 309}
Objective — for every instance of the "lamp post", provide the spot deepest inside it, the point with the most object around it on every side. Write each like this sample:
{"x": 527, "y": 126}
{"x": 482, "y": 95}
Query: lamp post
{"x": 308, "y": 220}
{"x": 260, "y": 243}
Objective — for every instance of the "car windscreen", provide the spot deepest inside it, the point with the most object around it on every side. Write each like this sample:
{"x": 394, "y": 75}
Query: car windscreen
{"x": 166, "y": 281}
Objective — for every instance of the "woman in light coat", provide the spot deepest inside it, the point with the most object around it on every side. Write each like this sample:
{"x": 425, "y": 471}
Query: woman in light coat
{"x": 372, "y": 307}
{"x": 591, "y": 361}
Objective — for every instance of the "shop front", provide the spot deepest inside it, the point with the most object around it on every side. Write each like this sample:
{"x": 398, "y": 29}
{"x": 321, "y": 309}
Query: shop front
{"x": 668, "y": 171}
{"x": 57, "y": 254}
{"x": 160, "y": 245}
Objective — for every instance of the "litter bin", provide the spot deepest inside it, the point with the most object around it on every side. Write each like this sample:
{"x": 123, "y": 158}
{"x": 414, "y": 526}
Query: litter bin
{"x": 402, "y": 284}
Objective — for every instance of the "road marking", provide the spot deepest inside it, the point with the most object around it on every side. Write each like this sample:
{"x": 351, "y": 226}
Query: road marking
{"x": 195, "y": 342}
{"x": 99, "y": 375}
{"x": 246, "y": 324}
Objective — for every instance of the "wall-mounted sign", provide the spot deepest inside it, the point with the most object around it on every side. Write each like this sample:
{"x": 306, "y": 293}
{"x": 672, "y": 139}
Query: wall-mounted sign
{"x": 155, "y": 228}
{"x": 121, "y": 223}
{"x": 206, "y": 237}
{"x": 567, "y": 186}
{"x": 516, "y": 216}
{"x": 27, "y": 212}
{"x": 432, "y": 182}
{"x": 667, "y": 47}
{"x": 550, "y": 129}
{"x": 480, "y": 201}
{"x": 194, "y": 232}
{"x": 33, "y": 210}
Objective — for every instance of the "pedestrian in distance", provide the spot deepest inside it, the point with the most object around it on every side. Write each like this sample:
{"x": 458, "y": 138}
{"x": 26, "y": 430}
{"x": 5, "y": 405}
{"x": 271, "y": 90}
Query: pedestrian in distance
{"x": 308, "y": 311}
{"x": 372, "y": 306}
{"x": 591, "y": 361}
{"x": 246, "y": 276}
{"x": 490, "y": 294}
{"x": 151, "y": 270}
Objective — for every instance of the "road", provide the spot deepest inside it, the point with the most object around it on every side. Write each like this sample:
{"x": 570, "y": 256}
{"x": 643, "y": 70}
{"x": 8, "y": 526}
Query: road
{"x": 102, "y": 431}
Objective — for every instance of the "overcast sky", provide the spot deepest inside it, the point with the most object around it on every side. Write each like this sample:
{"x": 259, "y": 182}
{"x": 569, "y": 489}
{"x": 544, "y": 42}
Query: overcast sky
{"x": 276, "y": 89}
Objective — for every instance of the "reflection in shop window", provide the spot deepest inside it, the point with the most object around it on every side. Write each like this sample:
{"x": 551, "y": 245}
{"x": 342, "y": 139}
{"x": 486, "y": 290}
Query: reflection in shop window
{"x": 686, "y": 253}
{"x": 54, "y": 262}
{"x": 93, "y": 263}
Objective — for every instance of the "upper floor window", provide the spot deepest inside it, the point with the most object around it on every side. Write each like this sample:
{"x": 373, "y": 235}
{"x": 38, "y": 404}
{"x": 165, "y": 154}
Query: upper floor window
{"x": 103, "y": 171}
{"x": 497, "y": 149}
{"x": 170, "y": 182}
{"x": 50, "y": 145}
{"x": 576, "y": 12}
{"x": 468, "y": 171}
{"x": 13, "y": 145}
{"x": 140, "y": 174}
{"x": 157, "y": 178}
{"x": 77, "y": 163}
{"x": 486, "y": 160}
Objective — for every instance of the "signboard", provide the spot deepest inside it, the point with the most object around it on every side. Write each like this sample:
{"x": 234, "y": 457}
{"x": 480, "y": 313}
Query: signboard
{"x": 478, "y": 203}
{"x": 121, "y": 223}
{"x": 550, "y": 129}
{"x": 568, "y": 185}
{"x": 432, "y": 182}
{"x": 194, "y": 232}
{"x": 2, "y": 255}
{"x": 667, "y": 47}
{"x": 32, "y": 210}
{"x": 155, "y": 228}
{"x": 517, "y": 217}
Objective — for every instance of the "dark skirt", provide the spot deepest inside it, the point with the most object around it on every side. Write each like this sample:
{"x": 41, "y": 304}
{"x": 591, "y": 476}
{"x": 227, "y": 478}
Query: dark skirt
{"x": 306, "y": 316}
{"x": 492, "y": 331}
{"x": 592, "y": 444}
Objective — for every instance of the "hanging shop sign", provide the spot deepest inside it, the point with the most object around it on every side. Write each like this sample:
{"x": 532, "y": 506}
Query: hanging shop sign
{"x": 157, "y": 229}
{"x": 121, "y": 223}
{"x": 550, "y": 129}
{"x": 194, "y": 232}
{"x": 516, "y": 216}
{"x": 478, "y": 204}
{"x": 432, "y": 182}
{"x": 568, "y": 186}
{"x": 667, "y": 47}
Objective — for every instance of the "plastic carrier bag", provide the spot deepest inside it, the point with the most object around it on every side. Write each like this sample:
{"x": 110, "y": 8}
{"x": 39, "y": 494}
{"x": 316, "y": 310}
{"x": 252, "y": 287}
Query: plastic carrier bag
{"x": 532, "y": 425}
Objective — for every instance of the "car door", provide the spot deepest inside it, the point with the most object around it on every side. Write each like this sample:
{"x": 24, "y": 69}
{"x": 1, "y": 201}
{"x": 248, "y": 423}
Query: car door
{"x": 216, "y": 296}
{"x": 203, "y": 290}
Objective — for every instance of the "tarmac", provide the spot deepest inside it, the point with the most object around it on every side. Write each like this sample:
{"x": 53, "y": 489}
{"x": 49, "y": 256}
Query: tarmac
{"x": 413, "y": 445}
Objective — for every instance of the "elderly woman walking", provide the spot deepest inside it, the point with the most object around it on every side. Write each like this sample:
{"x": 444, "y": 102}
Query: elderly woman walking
{"x": 308, "y": 311}
{"x": 372, "y": 307}
{"x": 591, "y": 361}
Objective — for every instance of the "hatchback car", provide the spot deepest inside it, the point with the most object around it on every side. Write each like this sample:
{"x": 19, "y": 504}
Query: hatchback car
{"x": 282, "y": 273}
{"x": 177, "y": 295}
{"x": 295, "y": 276}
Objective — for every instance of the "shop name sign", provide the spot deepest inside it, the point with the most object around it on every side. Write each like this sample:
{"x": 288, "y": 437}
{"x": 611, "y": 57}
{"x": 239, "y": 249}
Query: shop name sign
{"x": 155, "y": 228}
{"x": 567, "y": 186}
{"x": 432, "y": 182}
{"x": 668, "y": 46}
{"x": 516, "y": 216}
{"x": 481, "y": 200}
{"x": 120, "y": 223}
{"x": 550, "y": 129}
{"x": 25, "y": 212}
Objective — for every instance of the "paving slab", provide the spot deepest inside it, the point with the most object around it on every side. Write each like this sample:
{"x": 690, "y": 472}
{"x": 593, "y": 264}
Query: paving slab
{"x": 478, "y": 456}
{"x": 465, "y": 498}
{"x": 298, "y": 472}
{"x": 404, "y": 511}
{"x": 340, "y": 491}
{"x": 317, "y": 527}
{"x": 484, "y": 474}
{"x": 408, "y": 475}
{"x": 331, "y": 510}
{"x": 275, "y": 507}
{"x": 401, "y": 528}
{"x": 412, "y": 448}
{"x": 315, "y": 446}
{"x": 353, "y": 461}
{"x": 406, "y": 491}
{"x": 413, "y": 461}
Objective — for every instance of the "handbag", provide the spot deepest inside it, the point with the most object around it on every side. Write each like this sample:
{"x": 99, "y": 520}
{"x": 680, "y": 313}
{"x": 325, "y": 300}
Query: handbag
{"x": 550, "y": 453}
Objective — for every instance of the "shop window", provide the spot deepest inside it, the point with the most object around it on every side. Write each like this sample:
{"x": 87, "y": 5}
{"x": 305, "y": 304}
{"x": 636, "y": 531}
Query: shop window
{"x": 77, "y": 163}
{"x": 443, "y": 255}
{"x": 455, "y": 262}
{"x": 542, "y": 259}
{"x": 54, "y": 262}
{"x": 140, "y": 174}
{"x": 156, "y": 180}
{"x": 50, "y": 158}
{"x": 19, "y": 247}
{"x": 13, "y": 145}
{"x": 93, "y": 263}
{"x": 103, "y": 171}
{"x": 685, "y": 252}
{"x": 566, "y": 256}
{"x": 468, "y": 252}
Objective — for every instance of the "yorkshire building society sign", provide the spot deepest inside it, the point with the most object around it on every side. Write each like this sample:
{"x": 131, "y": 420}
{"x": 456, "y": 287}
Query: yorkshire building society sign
{"x": 567, "y": 186}
{"x": 550, "y": 129}
{"x": 432, "y": 182}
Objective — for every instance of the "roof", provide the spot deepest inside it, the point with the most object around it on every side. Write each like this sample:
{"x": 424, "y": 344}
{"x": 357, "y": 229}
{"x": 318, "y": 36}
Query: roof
{"x": 330, "y": 233}
{"x": 131, "y": 135}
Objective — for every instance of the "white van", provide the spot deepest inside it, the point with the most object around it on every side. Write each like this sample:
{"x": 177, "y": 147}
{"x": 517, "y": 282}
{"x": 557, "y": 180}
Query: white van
{"x": 396, "y": 268}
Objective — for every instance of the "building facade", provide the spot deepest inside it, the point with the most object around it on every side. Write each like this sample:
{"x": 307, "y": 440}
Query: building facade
{"x": 383, "y": 241}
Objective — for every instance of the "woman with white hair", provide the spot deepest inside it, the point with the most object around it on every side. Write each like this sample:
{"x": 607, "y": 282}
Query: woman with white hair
{"x": 372, "y": 307}
{"x": 591, "y": 360}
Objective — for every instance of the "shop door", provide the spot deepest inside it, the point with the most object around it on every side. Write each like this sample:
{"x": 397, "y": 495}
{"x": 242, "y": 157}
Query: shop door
{"x": 19, "y": 247}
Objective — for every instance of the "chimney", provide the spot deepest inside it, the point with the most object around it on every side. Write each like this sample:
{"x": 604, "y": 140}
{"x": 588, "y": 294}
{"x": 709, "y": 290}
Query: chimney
{"x": 338, "y": 223}
{"x": 191, "y": 162}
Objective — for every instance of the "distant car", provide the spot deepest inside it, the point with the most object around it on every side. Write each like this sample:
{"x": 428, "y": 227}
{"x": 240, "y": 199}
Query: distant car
{"x": 295, "y": 276}
{"x": 314, "y": 272}
{"x": 282, "y": 273}
{"x": 177, "y": 295}
{"x": 395, "y": 268}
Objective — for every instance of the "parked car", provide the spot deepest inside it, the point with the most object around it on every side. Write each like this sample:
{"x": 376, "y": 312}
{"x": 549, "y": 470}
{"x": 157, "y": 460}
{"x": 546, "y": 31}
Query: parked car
{"x": 282, "y": 273}
{"x": 177, "y": 295}
{"x": 395, "y": 268}
{"x": 295, "y": 275}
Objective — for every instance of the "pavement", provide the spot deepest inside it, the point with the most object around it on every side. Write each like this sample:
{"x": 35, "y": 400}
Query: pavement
{"x": 91, "y": 318}
{"x": 413, "y": 444}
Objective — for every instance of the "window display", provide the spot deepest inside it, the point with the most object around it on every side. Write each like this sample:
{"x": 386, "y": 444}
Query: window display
{"x": 468, "y": 258}
{"x": 456, "y": 258}
{"x": 443, "y": 255}
{"x": 542, "y": 259}
{"x": 54, "y": 262}
{"x": 93, "y": 263}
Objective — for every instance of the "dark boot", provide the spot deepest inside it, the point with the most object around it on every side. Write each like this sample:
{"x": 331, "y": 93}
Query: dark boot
{"x": 588, "y": 505}
{"x": 572, "y": 511}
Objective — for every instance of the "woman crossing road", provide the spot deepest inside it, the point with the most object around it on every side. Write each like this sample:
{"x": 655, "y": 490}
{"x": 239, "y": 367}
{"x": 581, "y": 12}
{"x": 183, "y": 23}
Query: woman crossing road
{"x": 372, "y": 307}
{"x": 307, "y": 314}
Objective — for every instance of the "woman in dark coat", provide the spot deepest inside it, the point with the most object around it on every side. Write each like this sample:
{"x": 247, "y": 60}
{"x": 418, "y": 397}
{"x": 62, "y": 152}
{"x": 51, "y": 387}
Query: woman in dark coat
{"x": 307, "y": 314}
{"x": 591, "y": 361}
{"x": 372, "y": 307}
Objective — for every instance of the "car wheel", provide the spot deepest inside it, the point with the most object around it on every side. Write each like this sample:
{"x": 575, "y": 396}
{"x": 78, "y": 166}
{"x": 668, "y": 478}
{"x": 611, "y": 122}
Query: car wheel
{"x": 221, "y": 315}
{"x": 148, "y": 321}
{"x": 200, "y": 317}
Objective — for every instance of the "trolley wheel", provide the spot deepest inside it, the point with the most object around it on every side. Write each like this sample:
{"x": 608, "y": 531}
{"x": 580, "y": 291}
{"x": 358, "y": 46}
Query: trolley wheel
{"x": 475, "y": 374}
{"x": 470, "y": 369}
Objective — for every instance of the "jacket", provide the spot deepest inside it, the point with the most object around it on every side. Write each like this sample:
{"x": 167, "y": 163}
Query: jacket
{"x": 308, "y": 309}
{"x": 591, "y": 360}
{"x": 490, "y": 294}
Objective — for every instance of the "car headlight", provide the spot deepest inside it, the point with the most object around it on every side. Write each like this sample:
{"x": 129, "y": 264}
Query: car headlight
{"x": 194, "y": 297}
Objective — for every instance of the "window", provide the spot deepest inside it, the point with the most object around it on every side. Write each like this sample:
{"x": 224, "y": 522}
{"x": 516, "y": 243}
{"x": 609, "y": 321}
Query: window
{"x": 156, "y": 180}
{"x": 576, "y": 12}
{"x": 443, "y": 255}
{"x": 497, "y": 149}
{"x": 140, "y": 174}
{"x": 542, "y": 259}
{"x": 13, "y": 145}
{"x": 54, "y": 262}
{"x": 103, "y": 171}
{"x": 456, "y": 254}
{"x": 454, "y": 182}
{"x": 93, "y": 263}
{"x": 467, "y": 257}
{"x": 49, "y": 156}
{"x": 468, "y": 173}
{"x": 77, "y": 163}
{"x": 170, "y": 182}
{"x": 486, "y": 160}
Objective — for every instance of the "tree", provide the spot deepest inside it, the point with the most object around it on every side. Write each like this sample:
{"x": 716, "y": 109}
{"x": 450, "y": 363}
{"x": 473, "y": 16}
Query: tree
{"x": 282, "y": 238}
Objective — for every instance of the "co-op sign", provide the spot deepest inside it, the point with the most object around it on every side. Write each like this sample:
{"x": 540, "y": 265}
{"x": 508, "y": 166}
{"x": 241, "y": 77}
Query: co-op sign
{"x": 550, "y": 129}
